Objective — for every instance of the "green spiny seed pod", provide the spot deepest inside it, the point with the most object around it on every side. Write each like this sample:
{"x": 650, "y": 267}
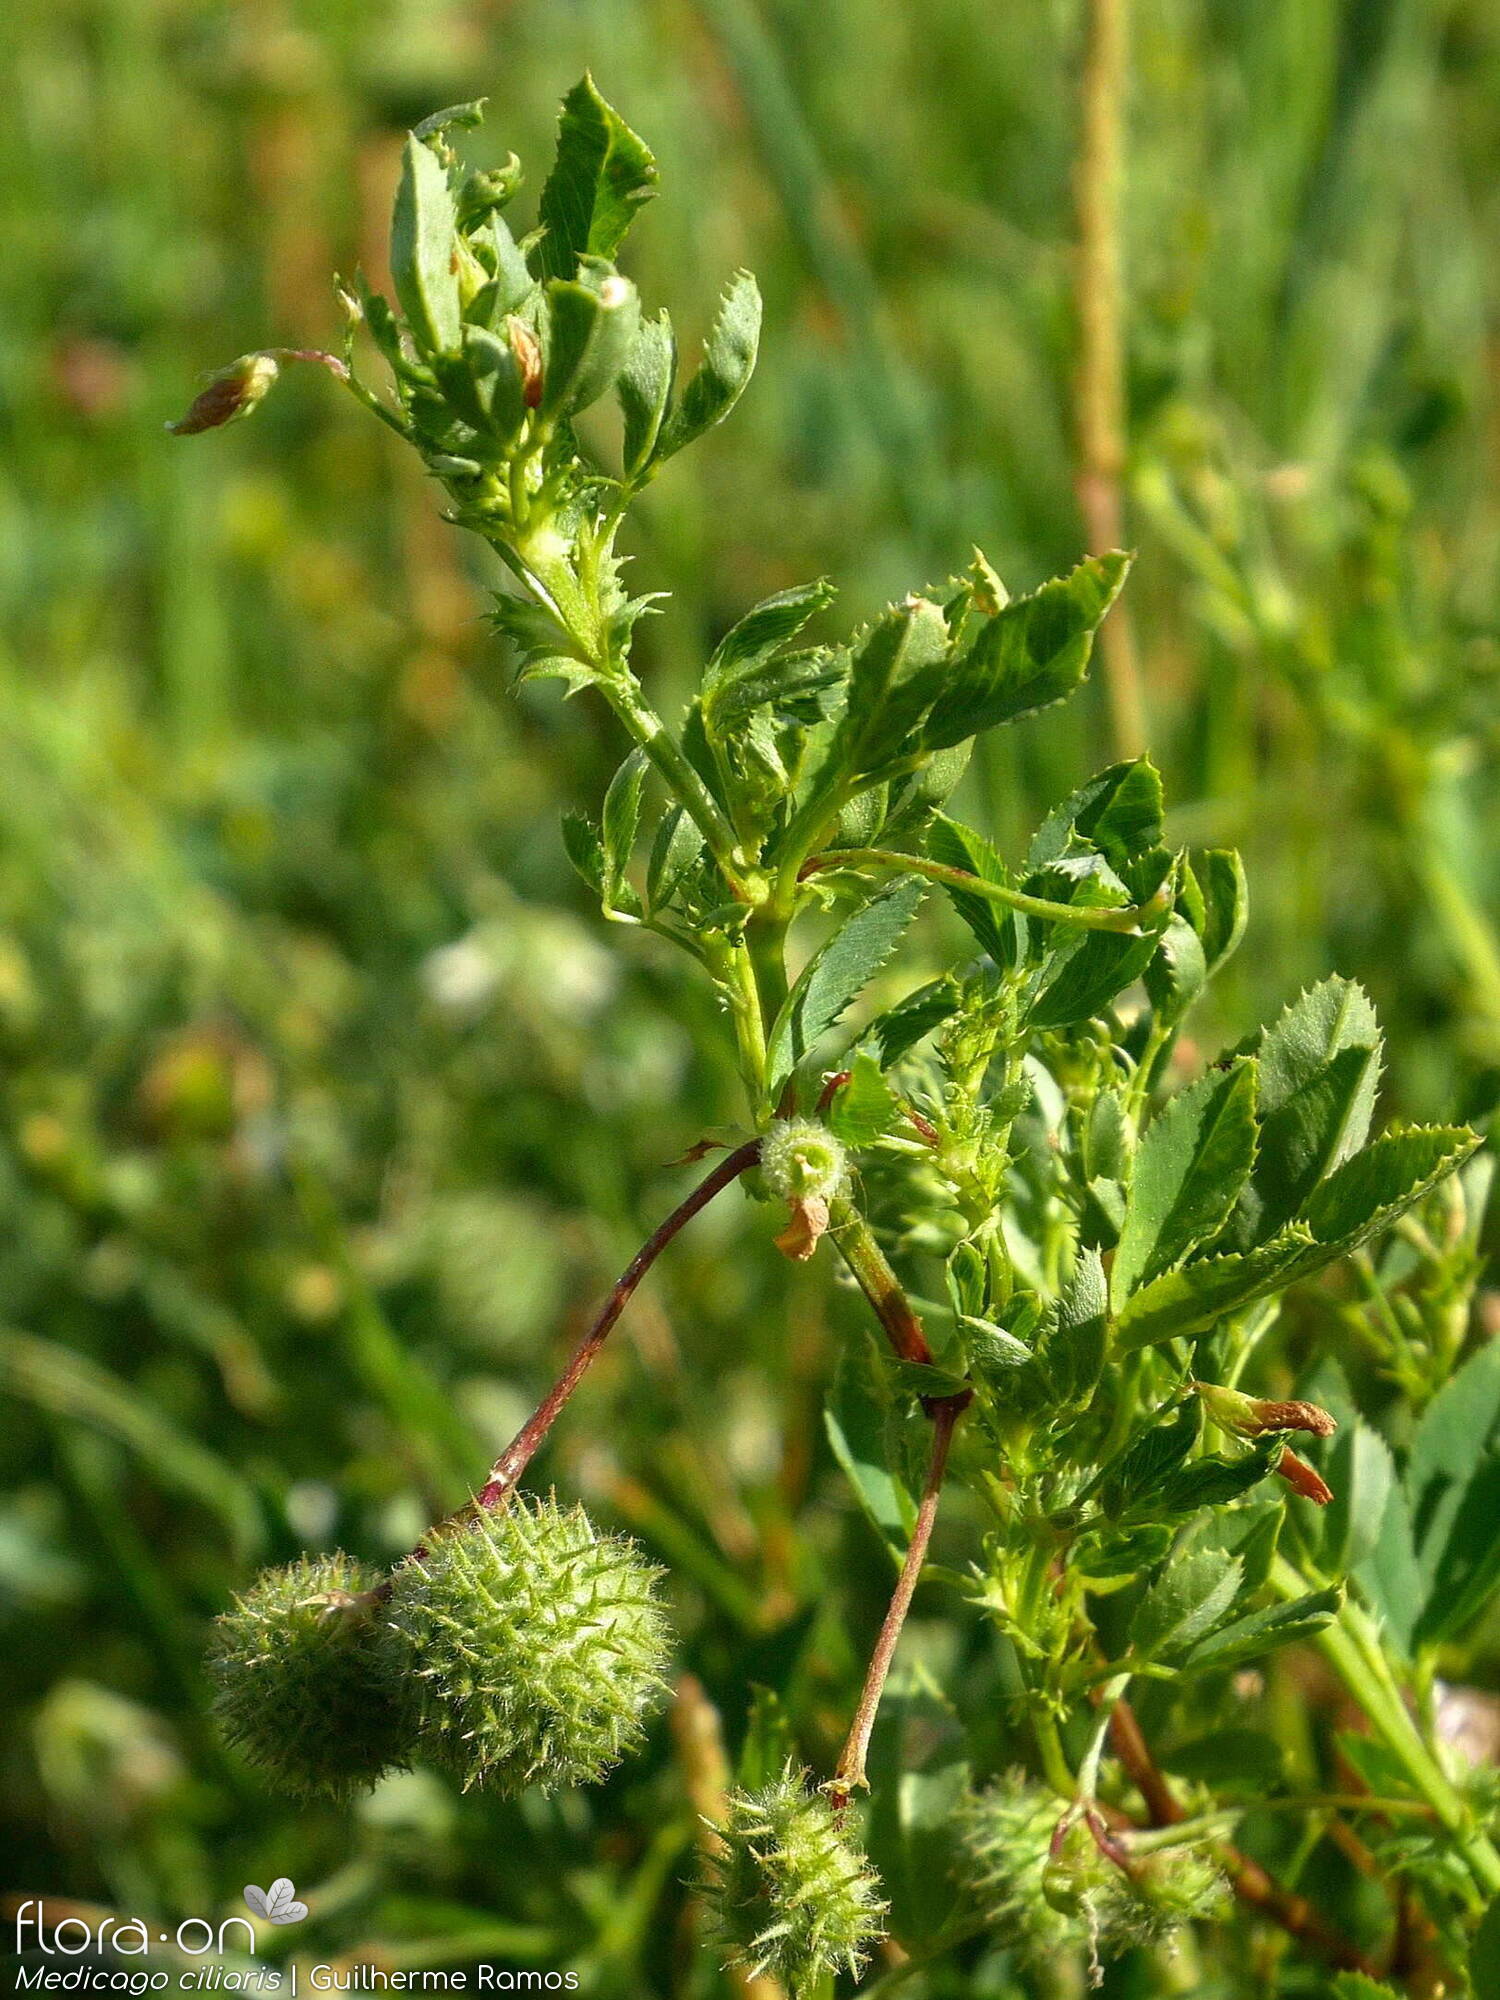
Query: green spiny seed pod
{"x": 789, "y": 1895}
{"x": 1006, "y": 1835}
{"x": 307, "y": 1684}
{"x": 535, "y": 1646}
{"x": 1041, "y": 1893}
{"x": 803, "y": 1161}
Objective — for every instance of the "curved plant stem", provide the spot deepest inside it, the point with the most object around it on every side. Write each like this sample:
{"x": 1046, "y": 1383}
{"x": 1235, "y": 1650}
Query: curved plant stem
{"x": 1251, "y": 1883}
{"x": 850, "y": 1774}
{"x": 518, "y": 1454}
{"x": 876, "y": 1279}
{"x": 1134, "y": 921}
{"x": 1099, "y": 186}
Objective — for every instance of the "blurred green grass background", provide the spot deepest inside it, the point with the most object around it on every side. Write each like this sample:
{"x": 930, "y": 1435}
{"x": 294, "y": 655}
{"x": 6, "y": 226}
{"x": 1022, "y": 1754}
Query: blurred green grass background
{"x": 328, "y": 1106}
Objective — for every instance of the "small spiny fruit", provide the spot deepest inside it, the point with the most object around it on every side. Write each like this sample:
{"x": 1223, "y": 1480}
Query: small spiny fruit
{"x": 535, "y": 1646}
{"x": 1046, "y": 1885}
{"x": 790, "y": 1896}
{"x": 306, "y": 1683}
{"x": 1006, "y": 1835}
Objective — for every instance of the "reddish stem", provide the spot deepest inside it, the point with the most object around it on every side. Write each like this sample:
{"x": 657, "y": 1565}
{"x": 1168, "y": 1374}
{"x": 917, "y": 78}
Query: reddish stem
{"x": 851, "y": 1767}
{"x": 1251, "y": 1883}
{"x": 518, "y": 1454}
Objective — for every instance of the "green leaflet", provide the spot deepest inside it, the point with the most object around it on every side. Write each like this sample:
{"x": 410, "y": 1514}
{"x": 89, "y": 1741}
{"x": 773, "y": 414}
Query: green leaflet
{"x": 750, "y": 670}
{"x": 1370, "y": 1190}
{"x": 1261, "y": 1632}
{"x": 1071, "y": 1353}
{"x": 866, "y": 1108}
{"x": 1118, "y": 811}
{"x": 1149, "y": 1461}
{"x": 644, "y": 389}
{"x": 1359, "y": 1986}
{"x": 1320, "y": 1066}
{"x": 1186, "y": 1301}
{"x": 675, "y": 846}
{"x": 837, "y": 972}
{"x": 592, "y": 321}
{"x": 1389, "y": 1578}
{"x": 621, "y": 822}
{"x": 1465, "y": 1567}
{"x": 422, "y": 239}
{"x": 901, "y": 1027}
{"x": 1191, "y": 1596}
{"x": 727, "y": 365}
{"x": 761, "y": 633}
{"x": 1453, "y": 1492}
{"x": 600, "y": 177}
{"x": 585, "y": 850}
{"x": 859, "y": 1433}
{"x": 1221, "y": 906}
{"x": 1189, "y": 1171}
{"x": 1032, "y": 654}
{"x": 958, "y": 846}
{"x": 1359, "y": 1468}
{"x": 898, "y": 664}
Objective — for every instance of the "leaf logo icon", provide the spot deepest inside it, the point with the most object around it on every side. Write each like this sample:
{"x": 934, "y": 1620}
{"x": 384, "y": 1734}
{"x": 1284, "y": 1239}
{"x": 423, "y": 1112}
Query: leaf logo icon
{"x": 278, "y": 1904}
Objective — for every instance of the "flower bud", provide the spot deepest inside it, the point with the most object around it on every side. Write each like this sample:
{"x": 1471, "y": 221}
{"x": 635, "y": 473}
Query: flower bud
{"x": 1252, "y": 1416}
{"x": 528, "y": 352}
{"x": 307, "y": 1684}
{"x": 231, "y": 394}
{"x": 1304, "y": 1479}
{"x": 534, "y": 1646}
{"x": 789, "y": 1894}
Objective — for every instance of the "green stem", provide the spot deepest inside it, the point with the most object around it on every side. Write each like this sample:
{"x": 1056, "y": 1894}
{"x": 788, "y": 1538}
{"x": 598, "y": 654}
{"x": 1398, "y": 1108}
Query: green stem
{"x": 1088, "y": 1770}
{"x": 1050, "y": 1748}
{"x": 732, "y": 966}
{"x": 1353, "y": 1650}
{"x": 765, "y": 941}
{"x": 648, "y": 730}
{"x": 1134, "y": 921}
{"x": 876, "y": 1279}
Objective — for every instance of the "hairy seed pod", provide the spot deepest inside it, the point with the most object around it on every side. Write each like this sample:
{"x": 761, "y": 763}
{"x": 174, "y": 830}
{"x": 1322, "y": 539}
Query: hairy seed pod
{"x": 788, "y": 1894}
{"x": 307, "y": 1685}
{"x": 1006, "y": 1834}
{"x": 1042, "y": 1891}
{"x": 535, "y": 1646}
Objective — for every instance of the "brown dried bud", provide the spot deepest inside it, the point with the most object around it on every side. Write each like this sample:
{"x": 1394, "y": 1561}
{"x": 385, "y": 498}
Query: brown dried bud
{"x": 808, "y": 1223}
{"x": 233, "y": 393}
{"x": 1301, "y": 1477}
{"x": 1254, "y": 1416}
{"x": 528, "y": 352}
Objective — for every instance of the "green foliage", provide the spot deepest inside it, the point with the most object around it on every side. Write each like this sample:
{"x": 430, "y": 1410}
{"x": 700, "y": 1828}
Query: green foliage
{"x": 533, "y": 1646}
{"x": 308, "y": 1687}
{"x": 324, "y": 1129}
{"x": 790, "y": 1895}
